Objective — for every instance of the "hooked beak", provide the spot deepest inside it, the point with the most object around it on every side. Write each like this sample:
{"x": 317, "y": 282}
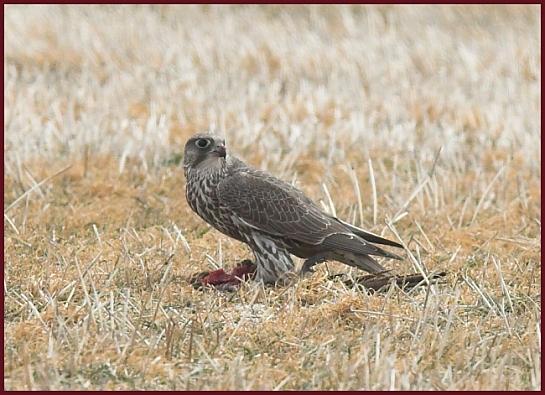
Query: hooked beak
{"x": 220, "y": 151}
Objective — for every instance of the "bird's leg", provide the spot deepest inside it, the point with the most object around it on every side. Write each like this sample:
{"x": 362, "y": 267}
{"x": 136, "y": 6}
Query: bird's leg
{"x": 311, "y": 262}
{"x": 224, "y": 281}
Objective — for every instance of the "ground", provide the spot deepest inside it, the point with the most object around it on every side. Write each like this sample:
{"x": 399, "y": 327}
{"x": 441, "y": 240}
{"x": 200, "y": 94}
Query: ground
{"x": 421, "y": 124}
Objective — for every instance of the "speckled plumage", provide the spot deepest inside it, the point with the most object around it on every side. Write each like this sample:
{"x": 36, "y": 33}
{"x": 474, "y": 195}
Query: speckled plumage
{"x": 273, "y": 217}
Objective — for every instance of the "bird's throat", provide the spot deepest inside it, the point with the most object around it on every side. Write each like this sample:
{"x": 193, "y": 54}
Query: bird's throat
{"x": 211, "y": 164}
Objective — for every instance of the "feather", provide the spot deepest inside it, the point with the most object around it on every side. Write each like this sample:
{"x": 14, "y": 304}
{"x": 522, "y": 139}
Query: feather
{"x": 356, "y": 245}
{"x": 371, "y": 237}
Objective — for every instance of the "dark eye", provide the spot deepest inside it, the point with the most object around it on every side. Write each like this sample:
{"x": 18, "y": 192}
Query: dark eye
{"x": 202, "y": 143}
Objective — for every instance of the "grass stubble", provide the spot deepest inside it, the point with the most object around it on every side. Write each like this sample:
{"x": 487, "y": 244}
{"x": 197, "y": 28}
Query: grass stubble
{"x": 419, "y": 123}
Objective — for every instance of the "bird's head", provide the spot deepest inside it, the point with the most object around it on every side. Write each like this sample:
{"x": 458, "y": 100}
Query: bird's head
{"x": 204, "y": 151}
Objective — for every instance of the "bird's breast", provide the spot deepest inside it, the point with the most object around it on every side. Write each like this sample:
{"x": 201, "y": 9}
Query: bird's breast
{"x": 201, "y": 194}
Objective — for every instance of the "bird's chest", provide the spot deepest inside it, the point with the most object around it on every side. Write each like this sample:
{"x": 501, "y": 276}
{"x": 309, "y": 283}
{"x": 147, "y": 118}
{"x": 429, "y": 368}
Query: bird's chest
{"x": 201, "y": 194}
{"x": 202, "y": 197}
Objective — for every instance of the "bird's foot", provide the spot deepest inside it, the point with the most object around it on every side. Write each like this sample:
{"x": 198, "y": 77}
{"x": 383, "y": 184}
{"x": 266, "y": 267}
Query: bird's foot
{"x": 308, "y": 265}
{"x": 223, "y": 281}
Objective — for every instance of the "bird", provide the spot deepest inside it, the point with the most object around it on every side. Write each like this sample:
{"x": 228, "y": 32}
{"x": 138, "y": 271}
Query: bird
{"x": 274, "y": 218}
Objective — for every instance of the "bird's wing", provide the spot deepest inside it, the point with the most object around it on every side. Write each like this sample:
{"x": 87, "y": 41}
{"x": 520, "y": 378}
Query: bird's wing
{"x": 275, "y": 207}
{"x": 278, "y": 208}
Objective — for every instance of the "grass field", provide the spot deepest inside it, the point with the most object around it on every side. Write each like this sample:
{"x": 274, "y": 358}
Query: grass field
{"x": 418, "y": 123}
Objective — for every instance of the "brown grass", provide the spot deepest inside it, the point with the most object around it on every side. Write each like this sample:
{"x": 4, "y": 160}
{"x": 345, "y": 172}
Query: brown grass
{"x": 97, "y": 257}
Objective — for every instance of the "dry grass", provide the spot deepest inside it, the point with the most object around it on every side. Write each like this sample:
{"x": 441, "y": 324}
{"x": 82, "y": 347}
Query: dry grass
{"x": 97, "y": 256}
